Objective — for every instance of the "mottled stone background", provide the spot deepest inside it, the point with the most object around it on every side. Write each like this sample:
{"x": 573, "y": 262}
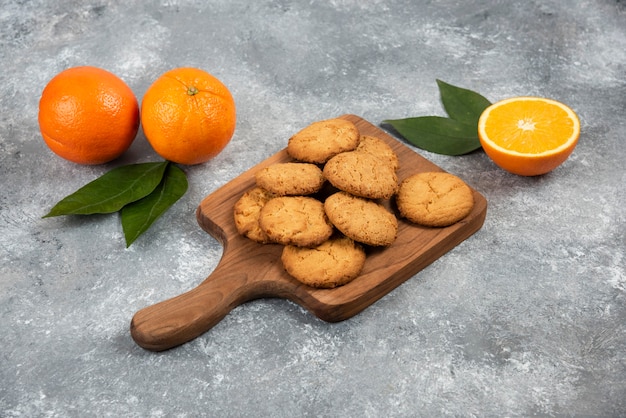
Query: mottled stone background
{"x": 527, "y": 317}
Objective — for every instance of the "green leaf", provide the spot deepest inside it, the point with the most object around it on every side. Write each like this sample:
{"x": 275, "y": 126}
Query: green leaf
{"x": 112, "y": 191}
{"x": 138, "y": 216}
{"x": 461, "y": 104}
{"x": 438, "y": 134}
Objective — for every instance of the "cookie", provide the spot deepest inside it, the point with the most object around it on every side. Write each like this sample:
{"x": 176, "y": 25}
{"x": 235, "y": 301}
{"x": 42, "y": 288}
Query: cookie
{"x": 434, "y": 199}
{"x": 295, "y": 220}
{"x": 361, "y": 174}
{"x": 379, "y": 148}
{"x": 289, "y": 179}
{"x": 333, "y": 263}
{"x": 321, "y": 140}
{"x": 246, "y": 212}
{"x": 363, "y": 220}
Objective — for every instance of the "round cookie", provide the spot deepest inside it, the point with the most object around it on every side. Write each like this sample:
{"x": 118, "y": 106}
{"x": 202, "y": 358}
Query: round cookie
{"x": 295, "y": 220}
{"x": 379, "y": 148}
{"x": 246, "y": 213}
{"x": 363, "y": 220}
{"x": 333, "y": 263}
{"x": 434, "y": 199}
{"x": 361, "y": 174}
{"x": 289, "y": 179}
{"x": 321, "y": 140}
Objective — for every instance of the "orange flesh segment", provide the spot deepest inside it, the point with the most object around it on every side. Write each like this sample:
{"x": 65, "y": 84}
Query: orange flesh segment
{"x": 529, "y": 126}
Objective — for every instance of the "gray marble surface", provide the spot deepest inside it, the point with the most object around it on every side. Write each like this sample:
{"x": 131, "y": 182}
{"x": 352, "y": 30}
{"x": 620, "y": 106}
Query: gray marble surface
{"x": 525, "y": 318}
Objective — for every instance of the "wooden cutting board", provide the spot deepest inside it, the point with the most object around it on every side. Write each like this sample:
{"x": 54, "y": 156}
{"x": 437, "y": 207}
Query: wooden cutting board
{"x": 248, "y": 270}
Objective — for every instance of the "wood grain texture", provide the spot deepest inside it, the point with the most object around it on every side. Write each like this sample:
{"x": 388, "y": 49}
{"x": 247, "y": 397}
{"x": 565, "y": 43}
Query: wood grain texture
{"x": 248, "y": 270}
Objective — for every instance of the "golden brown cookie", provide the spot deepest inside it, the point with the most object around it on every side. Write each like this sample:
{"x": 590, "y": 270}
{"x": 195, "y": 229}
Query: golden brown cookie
{"x": 361, "y": 174}
{"x": 363, "y": 220}
{"x": 333, "y": 263}
{"x": 290, "y": 179}
{"x": 295, "y": 220}
{"x": 246, "y": 213}
{"x": 434, "y": 199}
{"x": 379, "y": 148}
{"x": 320, "y": 140}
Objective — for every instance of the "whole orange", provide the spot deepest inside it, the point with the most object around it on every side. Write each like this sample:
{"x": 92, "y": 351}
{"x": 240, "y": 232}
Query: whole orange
{"x": 88, "y": 115}
{"x": 188, "y": 116}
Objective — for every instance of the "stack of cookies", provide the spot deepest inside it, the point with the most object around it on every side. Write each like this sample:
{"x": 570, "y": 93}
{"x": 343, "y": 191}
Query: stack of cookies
{"x": 325, "y": 230}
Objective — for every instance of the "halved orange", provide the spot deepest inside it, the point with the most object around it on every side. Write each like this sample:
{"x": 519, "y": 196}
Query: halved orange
{"x": 528, "y": 136}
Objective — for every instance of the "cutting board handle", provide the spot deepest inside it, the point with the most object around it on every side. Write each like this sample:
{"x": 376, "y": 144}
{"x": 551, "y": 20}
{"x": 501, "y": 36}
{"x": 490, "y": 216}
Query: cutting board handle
{"x": 180, "y": 319}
